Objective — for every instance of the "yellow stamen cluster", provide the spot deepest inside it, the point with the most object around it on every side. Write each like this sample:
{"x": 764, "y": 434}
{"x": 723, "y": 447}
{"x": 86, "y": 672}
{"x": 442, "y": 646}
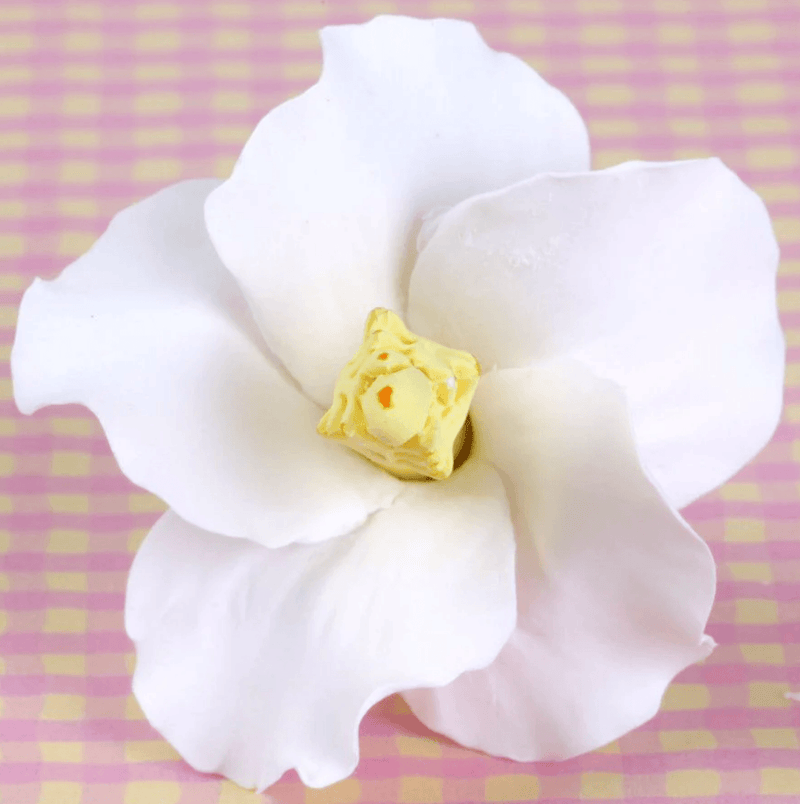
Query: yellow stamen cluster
{"x": 402, "y": 401}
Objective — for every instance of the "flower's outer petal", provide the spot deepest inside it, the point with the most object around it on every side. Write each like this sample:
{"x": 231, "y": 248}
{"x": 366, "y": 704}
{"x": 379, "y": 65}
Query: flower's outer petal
{"x": 150, "y": 332}
{"x": 251, "y": 661}
{"x": 658, "y": 276}
{"x": 614, "y": 588}
{"x": 319, "y": 219}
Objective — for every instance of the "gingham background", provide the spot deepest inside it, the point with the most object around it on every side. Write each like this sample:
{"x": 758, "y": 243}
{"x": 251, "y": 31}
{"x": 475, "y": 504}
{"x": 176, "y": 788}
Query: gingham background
{"x": 102, "y": 103}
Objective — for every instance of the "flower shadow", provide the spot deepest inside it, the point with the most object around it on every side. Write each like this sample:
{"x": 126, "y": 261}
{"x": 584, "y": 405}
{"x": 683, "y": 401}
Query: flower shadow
{"x": 393, "y": 717}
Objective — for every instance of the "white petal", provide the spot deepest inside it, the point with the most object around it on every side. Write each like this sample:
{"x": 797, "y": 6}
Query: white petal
{"x": 150, "y": 332}
{"x": 614, "y": 588}
{"x": 658, "y": 276}
{"x": 319, "y": 220}
{"x": 252, "y": 661}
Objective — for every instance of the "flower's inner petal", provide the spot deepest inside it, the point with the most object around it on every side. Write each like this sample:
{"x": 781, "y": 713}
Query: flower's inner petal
{"x": 252, "y": 661}
{"x": 658, "y": 276}
{"x": 319, "y": 220}
{"x": 614, "y": 588}
{"x": 151, "y": 333}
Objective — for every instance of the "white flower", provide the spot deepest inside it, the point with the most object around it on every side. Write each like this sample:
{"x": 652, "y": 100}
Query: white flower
{"x": 538, "y": 602}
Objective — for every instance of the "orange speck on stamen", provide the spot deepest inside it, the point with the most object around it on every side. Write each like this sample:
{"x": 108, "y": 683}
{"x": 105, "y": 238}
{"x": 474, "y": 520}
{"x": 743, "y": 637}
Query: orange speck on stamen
{"x": 383, "y": 356}
{"x": 385, "y": 396}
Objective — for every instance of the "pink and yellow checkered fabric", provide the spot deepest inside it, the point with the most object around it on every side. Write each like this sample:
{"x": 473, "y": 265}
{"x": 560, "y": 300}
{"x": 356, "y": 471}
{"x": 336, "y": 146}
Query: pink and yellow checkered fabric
{"x": 101, "y": 103}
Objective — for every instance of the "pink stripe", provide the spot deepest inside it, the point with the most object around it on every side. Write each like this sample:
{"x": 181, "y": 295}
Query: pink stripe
{"x": 56, "y": 562}
{"x": 83, "y": 730}
{"x": 198, "y": 75}
{"x": 92, "y": 642}
{"x": 49, "y": 157}
{"x": 736, "y": 633}
{"x": 90, "y": 601}
{"x": 714, "y": 509}
{"x": 377, "y": 769}
{"x": 93, "y": 686}
{"x": 21, "y": 773}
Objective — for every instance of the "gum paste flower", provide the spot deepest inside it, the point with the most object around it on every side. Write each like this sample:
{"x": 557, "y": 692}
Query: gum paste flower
{"x": 556, "y": 361}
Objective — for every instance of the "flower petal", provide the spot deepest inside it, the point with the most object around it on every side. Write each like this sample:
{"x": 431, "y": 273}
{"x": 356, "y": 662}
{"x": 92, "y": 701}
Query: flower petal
{"x": 614, "y": 588}
{"x": 658, "y": 276}
{"x": 150, "y": 332}
{"x": 252, "y": 661}
{"x": 319, "y": 219}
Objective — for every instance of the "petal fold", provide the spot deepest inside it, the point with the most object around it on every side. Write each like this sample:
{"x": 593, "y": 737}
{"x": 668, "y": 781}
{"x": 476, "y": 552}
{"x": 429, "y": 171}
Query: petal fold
{"x": 614, "y": 588}
{"x": 251, "y": 661}
{"x": 319, "y": 220}
{"x": 151, "y": 333}
{"x": 659, "y": 276}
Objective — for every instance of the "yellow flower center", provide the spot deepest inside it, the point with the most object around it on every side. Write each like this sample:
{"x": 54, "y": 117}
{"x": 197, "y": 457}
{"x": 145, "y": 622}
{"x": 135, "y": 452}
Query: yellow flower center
{"x": 402, "y": 401}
